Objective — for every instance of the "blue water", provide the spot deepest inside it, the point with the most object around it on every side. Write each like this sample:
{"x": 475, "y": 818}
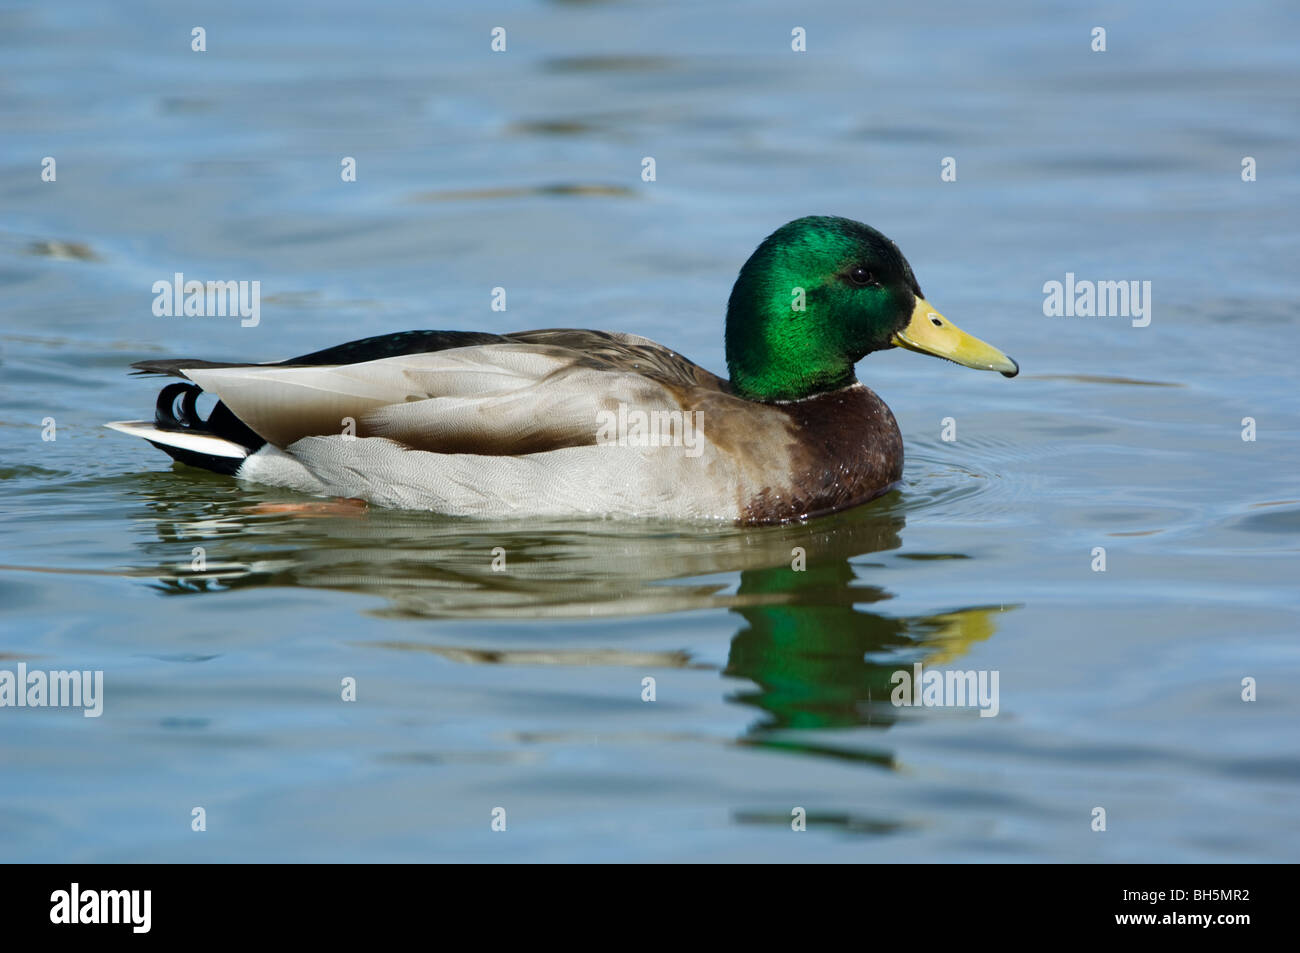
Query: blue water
{"x": 522, "y": 689}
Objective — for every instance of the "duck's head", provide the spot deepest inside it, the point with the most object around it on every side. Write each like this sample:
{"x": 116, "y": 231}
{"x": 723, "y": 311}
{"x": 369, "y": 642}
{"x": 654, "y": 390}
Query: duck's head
{"x": 819, "y": 295}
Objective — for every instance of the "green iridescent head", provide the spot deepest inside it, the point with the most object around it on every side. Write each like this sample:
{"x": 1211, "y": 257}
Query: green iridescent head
{"x": 820, "y": 294}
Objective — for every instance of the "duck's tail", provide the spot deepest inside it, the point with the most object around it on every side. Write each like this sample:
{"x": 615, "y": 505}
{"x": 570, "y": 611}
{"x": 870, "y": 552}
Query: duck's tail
{"x": 223, "y": 441}
{"x": 220, "y": 443}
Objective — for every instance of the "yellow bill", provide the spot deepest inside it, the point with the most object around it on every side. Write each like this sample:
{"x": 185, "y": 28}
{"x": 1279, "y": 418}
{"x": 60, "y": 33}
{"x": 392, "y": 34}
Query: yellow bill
{"x": 929, "y": 332}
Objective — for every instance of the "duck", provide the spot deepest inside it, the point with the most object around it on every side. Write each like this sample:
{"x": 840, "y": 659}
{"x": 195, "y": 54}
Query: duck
{"x": 573, "y": 423}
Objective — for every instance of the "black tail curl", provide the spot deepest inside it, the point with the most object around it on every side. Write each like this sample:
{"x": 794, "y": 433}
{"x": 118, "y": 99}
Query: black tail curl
{"x": 182, "y": 416}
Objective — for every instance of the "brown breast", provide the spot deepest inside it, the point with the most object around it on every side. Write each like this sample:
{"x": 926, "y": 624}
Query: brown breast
{"x": 845, "y": 449}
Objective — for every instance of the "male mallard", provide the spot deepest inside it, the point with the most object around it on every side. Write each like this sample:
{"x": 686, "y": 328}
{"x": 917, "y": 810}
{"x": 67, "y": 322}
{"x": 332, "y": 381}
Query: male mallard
{"x": 594, "y": 423}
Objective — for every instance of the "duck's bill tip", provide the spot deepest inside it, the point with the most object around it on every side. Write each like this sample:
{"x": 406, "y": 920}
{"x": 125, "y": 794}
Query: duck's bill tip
{"x": 929, "y": 332}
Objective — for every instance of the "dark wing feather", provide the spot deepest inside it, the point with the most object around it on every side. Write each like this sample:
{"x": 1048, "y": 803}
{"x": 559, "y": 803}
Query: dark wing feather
{"x": 354, "y": 352}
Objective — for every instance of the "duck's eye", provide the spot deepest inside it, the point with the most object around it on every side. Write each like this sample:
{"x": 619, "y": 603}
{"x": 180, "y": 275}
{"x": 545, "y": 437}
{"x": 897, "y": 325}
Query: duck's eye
{"x": 861, "y": 276}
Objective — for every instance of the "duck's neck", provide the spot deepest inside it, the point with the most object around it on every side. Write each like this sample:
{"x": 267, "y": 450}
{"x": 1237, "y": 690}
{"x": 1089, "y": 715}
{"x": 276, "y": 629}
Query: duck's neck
{"x": 776, "y": 352}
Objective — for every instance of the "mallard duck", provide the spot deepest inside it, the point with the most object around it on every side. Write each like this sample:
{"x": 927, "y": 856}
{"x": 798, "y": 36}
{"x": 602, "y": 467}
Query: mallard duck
{"x": 570, "y": 423}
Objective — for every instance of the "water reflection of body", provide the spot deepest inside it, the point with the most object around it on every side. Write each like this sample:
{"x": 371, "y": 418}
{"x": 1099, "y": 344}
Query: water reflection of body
{"x": 817, "y": 659}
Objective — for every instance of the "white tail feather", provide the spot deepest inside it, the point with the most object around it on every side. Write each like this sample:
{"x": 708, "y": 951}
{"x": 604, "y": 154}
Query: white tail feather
{"x": 197, "y": 442}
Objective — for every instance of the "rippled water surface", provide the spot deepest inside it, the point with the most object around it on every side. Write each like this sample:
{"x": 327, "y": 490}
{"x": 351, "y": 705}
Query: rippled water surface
{"x": 523, "y": 688}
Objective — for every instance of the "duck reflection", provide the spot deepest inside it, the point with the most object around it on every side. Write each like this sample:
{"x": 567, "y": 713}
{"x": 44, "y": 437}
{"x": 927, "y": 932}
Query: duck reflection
{"x": 819, "y": 662}
{"x": 815, "y": 652}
